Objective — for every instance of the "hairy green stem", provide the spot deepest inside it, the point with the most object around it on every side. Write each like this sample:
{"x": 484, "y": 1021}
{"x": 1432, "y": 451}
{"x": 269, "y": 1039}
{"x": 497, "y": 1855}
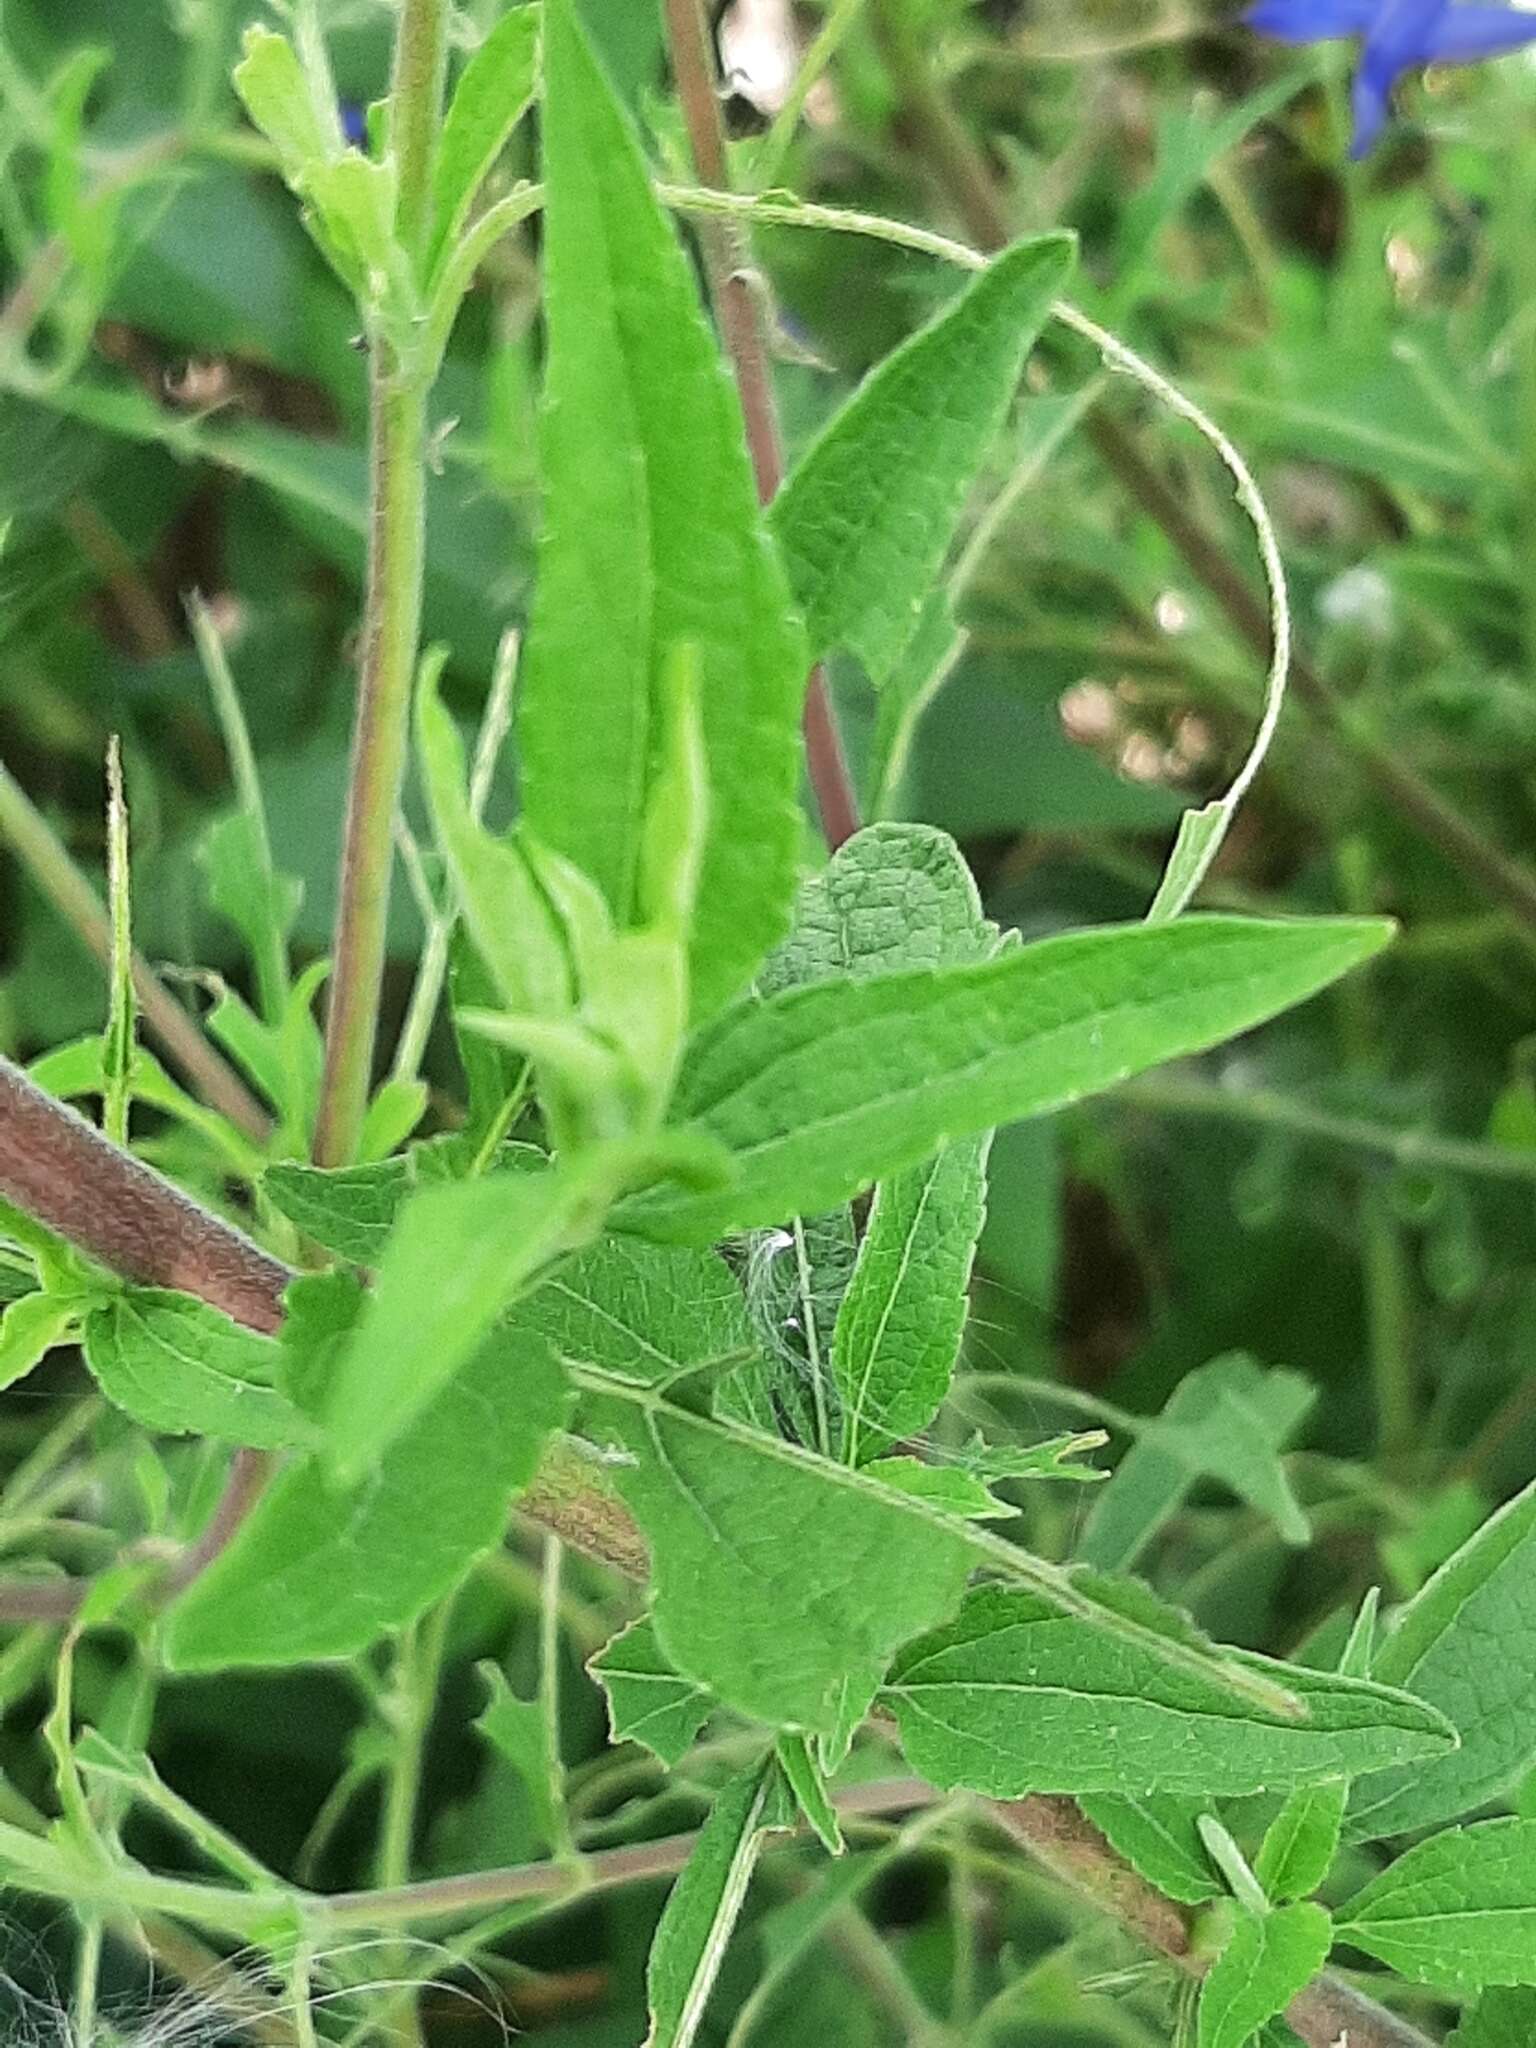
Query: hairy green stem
{"x": 391, "y": 630}
{"x": 43, "y": 854}
{"x": 739, "y": 313}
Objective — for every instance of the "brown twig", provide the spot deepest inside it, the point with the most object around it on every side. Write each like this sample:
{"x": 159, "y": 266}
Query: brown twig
{"x": 741, "y": 329}
{"x": 1060, "y": 1837}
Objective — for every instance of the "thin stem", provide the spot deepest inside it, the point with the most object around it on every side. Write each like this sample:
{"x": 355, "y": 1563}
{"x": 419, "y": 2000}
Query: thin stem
{"x": 740, "y": 316}
{"x": 938, "y": 136}
{"x": 43, "y": 854}
{"x": 416, "y": 105}
{"x": 392, "y": 625}
{"x": 409, "y": 1707}
{"x": 1267, "y": 1109}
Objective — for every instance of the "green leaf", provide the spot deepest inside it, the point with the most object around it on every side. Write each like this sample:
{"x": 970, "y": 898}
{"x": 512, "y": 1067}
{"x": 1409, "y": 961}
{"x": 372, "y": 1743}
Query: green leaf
{"x": 1013, "y": 1697}
{"x": 1302, "y": 1840}
{"x": 893, "y": 898}
{"x": 703, "y": 1908}
{"x": 871, "y": 508}
{"x": 1458, "y": 1910}
{"x": 1157, "y": 1835}
{"x": 30, "y": 1328}
{"x": 177, "y": 1366}
{"x": 351, "y": 1210}
{"x": 1228, "y": 1421}
{"x": 1466, "y": 1643}
{"x": 803, "y": 1775}
{"x": 652, "y": 541}
{"x": 821, "y": 1090}
{"x": 316, "y": 1572}
{"x": 649, "y": 1702}
{"x": 244, "y": 887}
{"x": 650, "y": 1313}
{"x": 494, "y": 91}
{"x": 277, "y": 95}
{"x": 1502, "y": 2018}
{"x": 773, "y": 1626}
{"x": 519, "y": 1731}
{"x": 1270, "y": 1957}
{"x": 456, "y": 1260}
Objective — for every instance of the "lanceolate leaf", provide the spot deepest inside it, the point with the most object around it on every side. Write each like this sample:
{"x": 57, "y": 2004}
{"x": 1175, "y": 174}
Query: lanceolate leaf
{"x": 821, "y": 1090}
{"x": 1013, "y": 1698}
{"x": 320, "y": 1572}
{"x": 705, "y": 1902}
{"x": 871, "y": 508}
{"x": 491, "y": 97}
{"x": 1458, "y": 1910}
{"x": 176, "y": 1365}
{"x": 653, "y": 542}
{"x": 1467, "y": 1643}
{"x": 1270, "y": 1957}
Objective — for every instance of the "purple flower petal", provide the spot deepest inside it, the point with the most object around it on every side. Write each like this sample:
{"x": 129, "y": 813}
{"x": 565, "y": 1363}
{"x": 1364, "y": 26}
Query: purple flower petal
{"x": 1464, "y": 34}
{"x": 1311, "y": 21}
{"x": 1372, "y": 102}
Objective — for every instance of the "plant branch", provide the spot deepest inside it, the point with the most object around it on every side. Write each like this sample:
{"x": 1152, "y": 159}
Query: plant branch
{"x": 1060, "y": 1837}
{"x": 47, "y": 861}
{"x": 739, "y": 313}
{"x": 398, "y": 386}
{"x": 938, "y": 136}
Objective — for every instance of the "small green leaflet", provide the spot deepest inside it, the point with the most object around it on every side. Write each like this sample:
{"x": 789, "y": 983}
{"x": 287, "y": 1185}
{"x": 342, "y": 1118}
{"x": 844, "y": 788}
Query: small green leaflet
{"x": 704, "y": 1904}
{"x": 1467, "y": 1643}
{"x": 803, "y": 1776}
{"x": 870, "y": 511}
{"x": 1502, "y": 2018}
{"x": 178, "y": 1366}
{"x": 316, "y": 1572}
{"x": 494, "y": 91}
{"x": 1157, "y": 1835}
{"x": 820, "y": 1091}
{"x": 1015, "y": 1697}
{"x": 458, "y": 1257}
{"x": 648, "y": 1702}
{"x": 1270, "y": 1957}
{"x": 949, "y": 1487}
{"x": 30, "y": 1327}
{"x": 1228, "y": 1421}
{"x": 1458, "y": 1910}
{"x": 518, "y": 1730}
{"x": 652, "y": 541}
{"x": 351, "y": 1210}
{"x": 1302, "y": 1840}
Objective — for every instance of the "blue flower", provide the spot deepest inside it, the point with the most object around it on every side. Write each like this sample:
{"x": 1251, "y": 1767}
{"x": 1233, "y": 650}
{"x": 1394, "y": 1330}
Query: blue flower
{"x": 1396, "y": 36}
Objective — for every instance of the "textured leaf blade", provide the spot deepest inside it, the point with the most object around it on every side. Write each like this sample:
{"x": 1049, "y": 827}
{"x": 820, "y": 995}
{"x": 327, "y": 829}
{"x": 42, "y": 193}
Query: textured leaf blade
{"x": 318, "y": 1572}
{"x": 178, "y": 1366}
{"x": 653, "y": 542}
{"x": 1270, "y": 1957}
{"x": 822, "y": 1090}
{"x": 1466, "y": 1643}
{"x": 647, "y": 1312}
{"x": 1502, "y": 2018}
{"x": 872, "y": 507}
{"x": 703, "y": 1908}
{"x": 1014, "y": 1698}
{"x": 1458, "y": 1910}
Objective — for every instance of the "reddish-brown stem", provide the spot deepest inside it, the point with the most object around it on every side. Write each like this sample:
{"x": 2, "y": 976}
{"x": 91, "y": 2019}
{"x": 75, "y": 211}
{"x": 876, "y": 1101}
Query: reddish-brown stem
{"x": 741, "y": 329}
